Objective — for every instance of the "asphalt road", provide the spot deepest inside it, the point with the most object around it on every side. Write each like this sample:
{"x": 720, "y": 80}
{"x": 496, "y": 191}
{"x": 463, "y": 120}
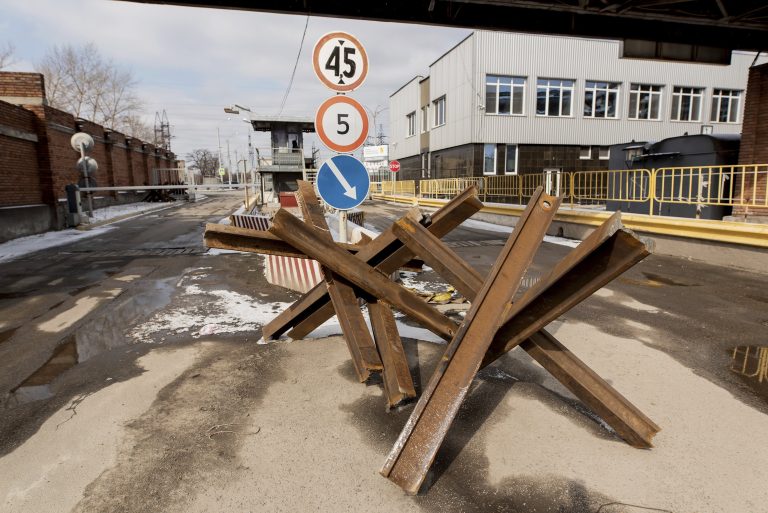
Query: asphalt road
{"x": 142, "y": 389}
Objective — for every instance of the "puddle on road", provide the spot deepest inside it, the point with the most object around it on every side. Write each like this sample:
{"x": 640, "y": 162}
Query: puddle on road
{"x": 38, "y": 385}
{"x": 751, "y": 364}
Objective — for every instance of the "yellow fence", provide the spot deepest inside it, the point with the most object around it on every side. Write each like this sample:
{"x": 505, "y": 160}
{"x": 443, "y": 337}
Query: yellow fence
{"x": 734, "y": 186}
{"x": 400, "y": 188}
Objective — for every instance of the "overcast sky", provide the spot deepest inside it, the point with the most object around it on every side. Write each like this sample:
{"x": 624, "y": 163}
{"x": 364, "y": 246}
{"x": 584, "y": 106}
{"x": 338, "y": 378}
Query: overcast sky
{"x": 192, "y": 62}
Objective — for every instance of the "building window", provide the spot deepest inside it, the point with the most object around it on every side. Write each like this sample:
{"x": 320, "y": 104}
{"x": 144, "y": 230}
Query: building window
{"x": 411, "y": 118}
{"x": 603, "y": 152}
{"x": 553, "y": 97}
{"x": 585, "y": 152}
{"x": 686, "y": 103}
{"x": 504, "y": 95}
{"x": 725, "y": 106}
{"x": 425, "y": 119}
{"x": 510, "y": 166}
{"x": 489, "y": 159}
{"x": 645, "y": 102}
{"x": 601, "y": 99}
{"x": 439, "y": 107}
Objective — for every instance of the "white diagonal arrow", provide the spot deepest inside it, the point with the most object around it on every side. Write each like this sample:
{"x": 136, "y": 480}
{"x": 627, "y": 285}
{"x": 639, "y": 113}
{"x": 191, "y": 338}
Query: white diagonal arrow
{"x": 348, "y": 191}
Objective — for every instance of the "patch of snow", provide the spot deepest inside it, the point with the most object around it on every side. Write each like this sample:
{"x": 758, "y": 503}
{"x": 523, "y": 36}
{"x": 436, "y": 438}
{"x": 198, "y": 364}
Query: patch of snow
{"x": 221, "y": 311}
{"x": 217, "y": 251}
{"x": 473, "y": 224}
{"x": 24, "y": 245}
{"x": 562, "y": 241}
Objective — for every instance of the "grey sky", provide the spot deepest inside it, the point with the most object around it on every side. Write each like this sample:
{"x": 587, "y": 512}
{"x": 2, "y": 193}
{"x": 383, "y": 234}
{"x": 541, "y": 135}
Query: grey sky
{"x": 193, "y": 62}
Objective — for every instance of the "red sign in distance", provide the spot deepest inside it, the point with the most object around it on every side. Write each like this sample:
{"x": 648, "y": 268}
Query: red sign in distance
{"x": 394, "y": 166}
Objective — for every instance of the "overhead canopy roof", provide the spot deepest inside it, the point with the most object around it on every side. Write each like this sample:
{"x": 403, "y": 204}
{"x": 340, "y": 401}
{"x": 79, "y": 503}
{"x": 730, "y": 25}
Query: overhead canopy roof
{"x": 269, "y": 123}
{"x": 726, "y": 24}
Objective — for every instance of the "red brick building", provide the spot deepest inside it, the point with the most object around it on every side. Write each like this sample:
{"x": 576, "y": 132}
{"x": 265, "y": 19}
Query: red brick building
{"x": 754, "y": 141}
{"x": 37, "y": 161}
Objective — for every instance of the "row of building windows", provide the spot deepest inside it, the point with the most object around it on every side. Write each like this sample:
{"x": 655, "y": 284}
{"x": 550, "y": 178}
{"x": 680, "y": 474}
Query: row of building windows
{"x": 491, "y": 154}
{"x": 555, "y": 97}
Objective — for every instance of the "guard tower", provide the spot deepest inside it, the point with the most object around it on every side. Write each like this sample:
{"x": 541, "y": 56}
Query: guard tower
{"x": 286, "y": 163}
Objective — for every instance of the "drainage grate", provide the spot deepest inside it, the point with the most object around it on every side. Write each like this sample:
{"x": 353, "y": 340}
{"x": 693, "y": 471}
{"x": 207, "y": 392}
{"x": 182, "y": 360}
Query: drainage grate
{"x": 474, "y": 243}
{"x": 149, "y": 252}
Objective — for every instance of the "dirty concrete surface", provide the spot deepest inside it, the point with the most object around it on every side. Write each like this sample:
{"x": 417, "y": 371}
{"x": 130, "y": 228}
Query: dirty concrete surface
{"x": 132, "y": 380}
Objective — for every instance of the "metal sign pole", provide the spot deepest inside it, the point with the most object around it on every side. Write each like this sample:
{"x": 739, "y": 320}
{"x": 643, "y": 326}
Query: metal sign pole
{"x": 343, "y": 226}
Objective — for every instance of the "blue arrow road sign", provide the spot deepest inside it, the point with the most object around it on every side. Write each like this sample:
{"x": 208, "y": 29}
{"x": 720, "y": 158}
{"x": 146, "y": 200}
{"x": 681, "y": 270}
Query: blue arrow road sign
{"x": 343, "y": 182}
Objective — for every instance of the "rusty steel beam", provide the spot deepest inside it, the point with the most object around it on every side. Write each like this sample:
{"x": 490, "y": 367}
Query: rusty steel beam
{"x": 357, "y": 272}
{"x": 415, "y": 450}
{"x": 605, "y": 254}
{"x": 222, "y": 236}
{"x": 398, "y": 383}
{"x": 385, "y": 252}
{"x": 626, "y": 419}
{"x": 234, "y": 238}
{"x": 439, "y": 257}
{"x": 365, "y": 358}
{"x": 362, "y": 349}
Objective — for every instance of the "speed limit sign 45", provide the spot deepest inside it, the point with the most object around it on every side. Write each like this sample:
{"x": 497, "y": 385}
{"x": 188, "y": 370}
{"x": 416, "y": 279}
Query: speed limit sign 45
{"x": 341, "y": 124}
{"x": 340, "y": 61}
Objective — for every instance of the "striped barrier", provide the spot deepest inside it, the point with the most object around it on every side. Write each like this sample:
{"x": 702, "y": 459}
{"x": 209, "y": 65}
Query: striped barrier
{"x": 299, "y": 274}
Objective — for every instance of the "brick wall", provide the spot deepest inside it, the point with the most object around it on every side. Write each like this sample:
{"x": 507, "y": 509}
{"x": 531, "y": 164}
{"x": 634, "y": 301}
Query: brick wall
{"x": 37, "y": 172}
{"x": 754, "y": 139}
{"x": 19, "y": 170}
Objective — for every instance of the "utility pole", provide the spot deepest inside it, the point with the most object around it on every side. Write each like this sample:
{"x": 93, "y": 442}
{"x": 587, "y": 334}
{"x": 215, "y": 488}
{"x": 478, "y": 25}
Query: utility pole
{"x": 229, "y": 160}
{"x": 218, "y": 134}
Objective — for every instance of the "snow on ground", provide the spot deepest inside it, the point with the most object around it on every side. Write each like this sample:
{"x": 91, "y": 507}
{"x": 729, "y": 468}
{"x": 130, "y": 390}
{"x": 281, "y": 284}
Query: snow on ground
{"x": 24, "y": 245}
{"x": 113, "y": 211}
{"x": 220, "y": 311}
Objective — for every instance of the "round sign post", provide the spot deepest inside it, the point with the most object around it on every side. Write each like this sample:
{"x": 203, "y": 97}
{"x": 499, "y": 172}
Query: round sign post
{"x": 340, "y": 61}
{"x": 341, "y": 124}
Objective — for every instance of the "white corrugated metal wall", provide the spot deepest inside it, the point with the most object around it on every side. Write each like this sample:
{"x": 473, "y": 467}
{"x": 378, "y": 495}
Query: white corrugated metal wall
{"x": 460, "y": 76}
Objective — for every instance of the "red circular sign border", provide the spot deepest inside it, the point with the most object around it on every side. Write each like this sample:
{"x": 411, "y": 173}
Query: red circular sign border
{"x": 316, "y": 62}
{"x": 398, "y": 166}
{"x": 321, "y": 131}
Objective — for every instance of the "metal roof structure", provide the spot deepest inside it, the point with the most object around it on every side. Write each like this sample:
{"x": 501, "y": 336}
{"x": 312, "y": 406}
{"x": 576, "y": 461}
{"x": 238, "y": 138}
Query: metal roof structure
{"x": 724, "y": 24}
{"x": 267, "y": 123}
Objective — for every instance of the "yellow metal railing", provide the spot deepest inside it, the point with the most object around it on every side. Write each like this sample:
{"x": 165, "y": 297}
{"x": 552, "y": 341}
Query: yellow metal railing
{"x": 375, "y": 188}
{"x": 750, "y": 361}
{"x": 734, "y": 186}
{"x": 399, "y": 187}
{"x": 598, "y": 187}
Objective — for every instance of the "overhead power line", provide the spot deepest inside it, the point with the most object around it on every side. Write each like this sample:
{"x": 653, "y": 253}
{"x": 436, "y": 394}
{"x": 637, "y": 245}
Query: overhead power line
{"x": 295, "y": 65}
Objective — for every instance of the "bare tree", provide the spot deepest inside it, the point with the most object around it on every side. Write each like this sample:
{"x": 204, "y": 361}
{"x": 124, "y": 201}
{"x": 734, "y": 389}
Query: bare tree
{"x": 133, "y": 126}
{"x": 204, "y": 161}
{"x": 6, "y": 55}
{"x": 80, "y": 81}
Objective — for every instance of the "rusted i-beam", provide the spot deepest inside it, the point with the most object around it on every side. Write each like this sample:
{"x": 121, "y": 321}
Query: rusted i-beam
{"x": 357, "y": 272}
{"x": 398, "y": 383}
{"x": 417, "y": 446}
{"x": 234, "y": 238}
{"x": 385, "y": 252}
{"x": 626, "y": 419}
{"x": 365, "y": 358}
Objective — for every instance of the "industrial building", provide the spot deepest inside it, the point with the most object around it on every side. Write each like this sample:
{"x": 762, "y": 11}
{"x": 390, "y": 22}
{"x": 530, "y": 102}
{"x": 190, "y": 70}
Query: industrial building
{"x": 508, "y": 103}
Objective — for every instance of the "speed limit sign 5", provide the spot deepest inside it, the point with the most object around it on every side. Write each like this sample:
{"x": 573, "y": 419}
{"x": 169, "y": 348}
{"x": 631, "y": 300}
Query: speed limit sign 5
{"x": 340, "y": 61}
{"x": 341, "y": 124}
